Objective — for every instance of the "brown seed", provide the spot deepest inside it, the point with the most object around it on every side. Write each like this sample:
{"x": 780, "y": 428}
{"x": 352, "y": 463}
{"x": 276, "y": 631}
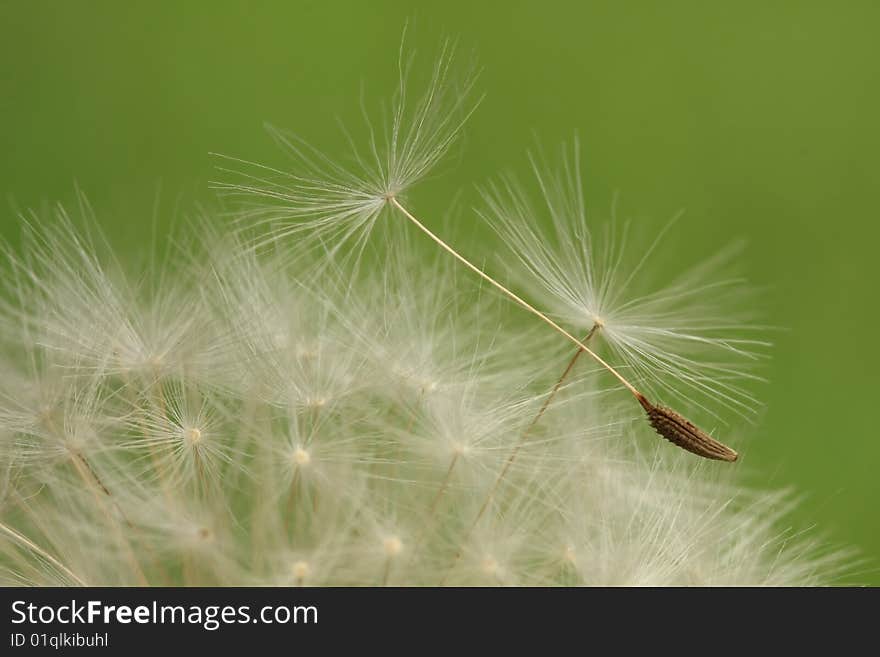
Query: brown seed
{"x": 680, "y": 431}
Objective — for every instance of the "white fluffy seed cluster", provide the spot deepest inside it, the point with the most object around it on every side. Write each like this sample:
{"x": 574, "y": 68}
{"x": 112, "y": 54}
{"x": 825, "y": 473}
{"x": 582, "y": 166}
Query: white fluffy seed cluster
{"x": 314, "y": 406}
{"x": 171, "y": 436}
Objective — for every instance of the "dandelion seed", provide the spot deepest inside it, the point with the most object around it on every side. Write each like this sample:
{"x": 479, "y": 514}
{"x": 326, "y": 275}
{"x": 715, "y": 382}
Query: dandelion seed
{"x": 362, "y": 205}
{"x": 524, "y": 304}
{"x": 177, "y": 436}
{"x": 331, "y": 204}
{"x": 683, "y": 433}
{"x": 375, "y": 486}
{"x": 685, "y": 337}
{"x": 284, "y": 416}
{"x": 85, "y": 312}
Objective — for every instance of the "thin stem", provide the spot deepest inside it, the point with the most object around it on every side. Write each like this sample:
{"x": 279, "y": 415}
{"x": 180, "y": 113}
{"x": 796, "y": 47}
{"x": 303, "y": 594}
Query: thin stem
{"x": 78, "y": 458}
{"x": 435, "y": 502}
{"x": 24, "y": 540}
{"x": 96, "y": 486}
{"x": 94, "y": 475}
{"x": 527, "y": 306}
{"x": 559, "y": 383}
{"x": 437, "y": 497}
{"x": 87, "y": 473}
{"x": 291, "y": 500}
{"x": 522, "y": 439}
{"x": 386, "y": 571}
{"x": 415, "y": 411}
{"x": 528, "y": 430}
{"x": 394, "y": 449}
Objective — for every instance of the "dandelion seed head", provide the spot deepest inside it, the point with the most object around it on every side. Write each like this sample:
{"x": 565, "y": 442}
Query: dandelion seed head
{"x": 270, "y": 410}
{"x": 319, "y": 463}
{"x": 325, "y": 202}
{"x": 692, "y": 339}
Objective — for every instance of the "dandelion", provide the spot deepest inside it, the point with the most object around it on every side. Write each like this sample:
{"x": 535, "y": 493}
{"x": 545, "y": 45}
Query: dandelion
{"x": 682, "y": 338}
{"x": 237, "y": 485}
{"x": 285, "y": 416}
{"x": 332, "y": 205}
{"x": 94, "y": 318}
{"x": 177, "y": 433}
{"x": 340, "y": 205}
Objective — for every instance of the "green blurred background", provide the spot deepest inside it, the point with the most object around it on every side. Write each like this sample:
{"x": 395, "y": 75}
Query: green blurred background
{"x": 760, "y": 118}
